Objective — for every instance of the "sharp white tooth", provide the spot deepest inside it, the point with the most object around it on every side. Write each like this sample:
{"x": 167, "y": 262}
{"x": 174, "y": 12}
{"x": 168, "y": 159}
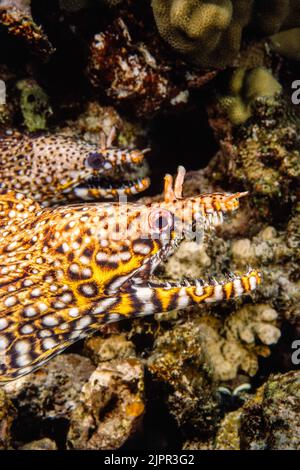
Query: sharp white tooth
{"x": 168, "y": 285}
{"x": 219, "y": 292}
{"x": 252, "y": 282}
{"x": 238, "y": 288}
{"x": 221, "y": 217}
{"x": 199, "y": 288}
{"x": 216, "y": 220}
{"x": 210, "y": 218}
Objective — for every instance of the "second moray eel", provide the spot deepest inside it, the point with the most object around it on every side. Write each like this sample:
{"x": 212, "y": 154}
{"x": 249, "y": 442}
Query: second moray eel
{"x": 53, "y": 168}
{"x": 67, "y": 271}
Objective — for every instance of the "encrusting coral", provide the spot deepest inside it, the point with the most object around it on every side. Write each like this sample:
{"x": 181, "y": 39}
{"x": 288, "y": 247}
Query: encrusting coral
{"x": 270, "y": 420}
{"x": 263, "y": 154}
{"x": 210, "y": 33}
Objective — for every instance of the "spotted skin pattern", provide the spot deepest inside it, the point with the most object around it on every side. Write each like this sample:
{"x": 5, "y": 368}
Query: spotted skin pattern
{"x": 66, "y": 271}
{"x": 53, "y": 168}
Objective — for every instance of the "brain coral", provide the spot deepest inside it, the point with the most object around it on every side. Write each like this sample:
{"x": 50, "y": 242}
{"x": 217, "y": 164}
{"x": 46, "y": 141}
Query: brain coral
{"x": 209, "y": 33}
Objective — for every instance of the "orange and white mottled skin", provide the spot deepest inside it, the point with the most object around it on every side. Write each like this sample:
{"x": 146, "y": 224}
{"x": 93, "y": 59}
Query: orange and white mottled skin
{"x": 67, "y": 271}
{"x": 53, "y": 168}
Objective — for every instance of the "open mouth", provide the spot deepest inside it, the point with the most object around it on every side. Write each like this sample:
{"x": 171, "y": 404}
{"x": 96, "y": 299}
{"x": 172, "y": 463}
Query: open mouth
{"x": 103, "y": 187}
{"x": 229, "y": 286}
{"x": 114, "y": 178}
{"x": 212, "y": 290}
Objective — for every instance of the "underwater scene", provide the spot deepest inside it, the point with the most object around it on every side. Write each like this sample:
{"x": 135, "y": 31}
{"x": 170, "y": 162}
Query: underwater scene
{"x": 149, "y": 225}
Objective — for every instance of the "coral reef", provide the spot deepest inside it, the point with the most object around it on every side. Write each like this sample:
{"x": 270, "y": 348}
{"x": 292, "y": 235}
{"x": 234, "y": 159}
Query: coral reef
{"x": 110, "y": 407}
{"x": 41, "y": 444}
{"x": 210, "y": 376}
{"x": 178, "y": 361}
{"x": 270, "y": 420}
{"x": 7, "y": 415}
{"x": 129, "y": 73}
{"x": 227, "y": 437}
{"x": 210, "y": 33}
{"x": 244, "y": 87}
{"x": 262, "y": 155}
{"x": 224, "y": 348}
{"x": 15, "y": 16}
{"x": 50, "y": 393}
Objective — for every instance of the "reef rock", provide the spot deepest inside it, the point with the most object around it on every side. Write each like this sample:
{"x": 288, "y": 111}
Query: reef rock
{"x": 45, "y": 399}
{"x": 178, "y": 362}
{"x": 271, "y": 419}
{"x": 129, "y": 73}
{"x": 16, "y": 18}
{"x": 110, "y": 408}
{"x": 7, "y": 415}
{"x": 42, "y": 444}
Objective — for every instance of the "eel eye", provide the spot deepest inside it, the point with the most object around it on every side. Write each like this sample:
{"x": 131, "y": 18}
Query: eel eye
{"x": 161, "y": 220}
{"x": 94, "y": 161}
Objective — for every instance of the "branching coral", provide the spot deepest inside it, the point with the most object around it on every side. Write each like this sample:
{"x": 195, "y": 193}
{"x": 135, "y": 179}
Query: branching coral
{"x": 245, "y": 86}
{"x": 210, "y": 33}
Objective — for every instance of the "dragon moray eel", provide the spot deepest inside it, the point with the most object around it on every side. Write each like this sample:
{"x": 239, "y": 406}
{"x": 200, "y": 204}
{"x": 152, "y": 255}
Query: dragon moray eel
{"x": 66, "y": 271}
{"x": 57, "y": 168}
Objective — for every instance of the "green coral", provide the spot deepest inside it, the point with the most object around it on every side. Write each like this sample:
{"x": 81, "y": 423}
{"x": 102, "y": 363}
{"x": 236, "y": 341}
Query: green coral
{"x": 244, "y": 88}
{"x": 287, "y": 43}
{"x": 210, "y": 33}
{"x": 34, "y": 105}
{"x": 207, "y": 33}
